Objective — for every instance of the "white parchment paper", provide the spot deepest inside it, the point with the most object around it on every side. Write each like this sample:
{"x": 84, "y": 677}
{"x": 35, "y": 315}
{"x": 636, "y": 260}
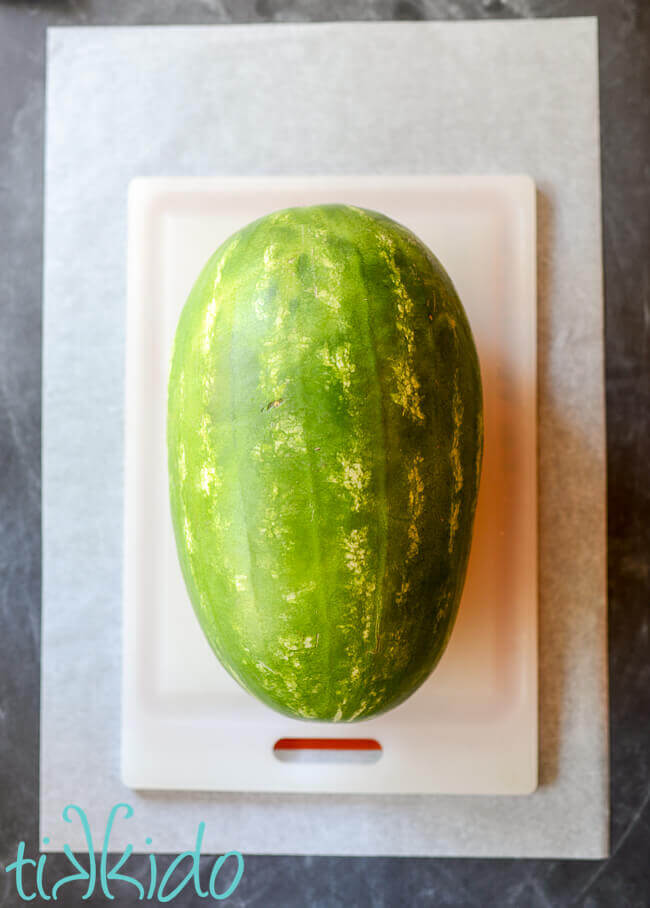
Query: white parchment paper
{"x": 497, "y": 97}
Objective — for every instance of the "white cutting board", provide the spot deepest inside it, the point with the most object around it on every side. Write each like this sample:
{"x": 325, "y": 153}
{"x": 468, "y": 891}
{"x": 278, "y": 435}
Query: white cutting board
{"x": 472, "y": 727}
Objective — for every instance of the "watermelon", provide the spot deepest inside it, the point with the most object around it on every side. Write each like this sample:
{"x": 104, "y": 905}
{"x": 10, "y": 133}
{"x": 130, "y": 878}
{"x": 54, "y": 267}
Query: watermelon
{"x": 325, "y": 436}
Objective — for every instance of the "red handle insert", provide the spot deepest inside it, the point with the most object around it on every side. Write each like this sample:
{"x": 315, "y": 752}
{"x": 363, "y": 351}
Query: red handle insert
{"x": 327, "y": 744}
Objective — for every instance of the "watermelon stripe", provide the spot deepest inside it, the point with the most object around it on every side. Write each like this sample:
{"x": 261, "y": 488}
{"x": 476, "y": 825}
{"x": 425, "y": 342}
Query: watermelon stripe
{"x": 381, "y": 459}
{"x": 323, "y": 588}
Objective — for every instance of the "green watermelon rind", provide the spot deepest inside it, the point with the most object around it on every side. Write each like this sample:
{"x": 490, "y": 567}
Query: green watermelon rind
{"x": 325, "y": 436}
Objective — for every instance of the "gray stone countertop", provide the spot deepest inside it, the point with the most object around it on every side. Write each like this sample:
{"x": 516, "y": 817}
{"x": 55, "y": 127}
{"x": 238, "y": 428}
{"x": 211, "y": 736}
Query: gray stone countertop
{"x": 622, "y": 880}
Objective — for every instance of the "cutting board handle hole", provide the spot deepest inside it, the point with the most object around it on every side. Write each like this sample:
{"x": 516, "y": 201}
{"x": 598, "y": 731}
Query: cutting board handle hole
{"x": 327, "y": 750}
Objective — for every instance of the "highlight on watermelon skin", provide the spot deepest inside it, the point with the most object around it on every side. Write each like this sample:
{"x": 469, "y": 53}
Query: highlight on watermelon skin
{"x": 325, "y": 434}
